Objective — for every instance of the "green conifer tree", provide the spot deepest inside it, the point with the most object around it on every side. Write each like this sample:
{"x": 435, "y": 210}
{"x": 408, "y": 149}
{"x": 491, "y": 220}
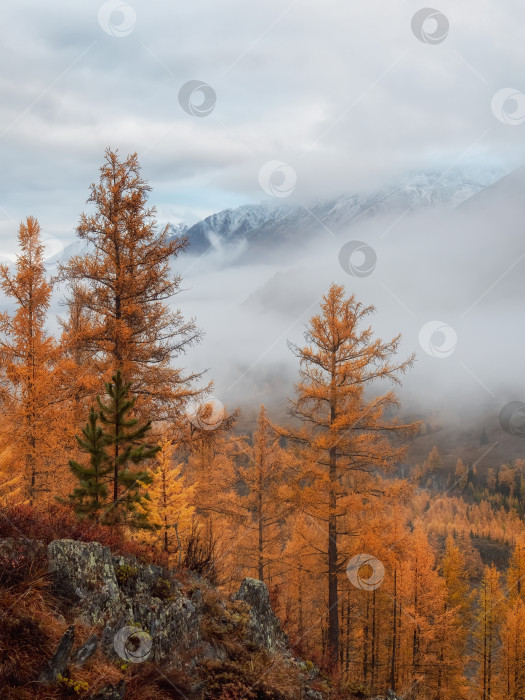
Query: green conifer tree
{"x": 91, "y": 496}
{"x": 126, "y": 447}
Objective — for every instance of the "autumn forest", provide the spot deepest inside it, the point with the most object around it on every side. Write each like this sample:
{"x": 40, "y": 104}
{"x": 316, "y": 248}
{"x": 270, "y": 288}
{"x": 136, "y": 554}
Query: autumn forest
{"x": 382, "y": 579}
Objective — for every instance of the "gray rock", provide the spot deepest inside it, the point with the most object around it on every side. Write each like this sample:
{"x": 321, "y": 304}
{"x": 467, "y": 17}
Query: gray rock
{"x": 310, "y": 694}
{"x": 265, "y": 629}
{"x": 172, "y": 624}
{"x": 110, "y": 692}
{"x": 196, "y": 598}
{"x": 58, "y": 664}
{"x": 118, "y": 592}
{"x": 85, "y": 572}
{"x": 86, "y": 650}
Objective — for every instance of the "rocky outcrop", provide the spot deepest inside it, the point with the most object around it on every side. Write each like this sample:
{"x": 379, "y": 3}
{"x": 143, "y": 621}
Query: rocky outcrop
{"x": 58, "y": 664}
{"x": 86, "y": 651}
{"x": 137, "y": 612}
{"x": 111, "y": 692}
{"x": 264, "y": 629}
{"x": 84, "y": 573}
{"x": 120, "y": 593}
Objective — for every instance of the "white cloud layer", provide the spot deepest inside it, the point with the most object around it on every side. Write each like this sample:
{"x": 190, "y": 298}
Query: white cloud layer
{"x": 342, "y": 91}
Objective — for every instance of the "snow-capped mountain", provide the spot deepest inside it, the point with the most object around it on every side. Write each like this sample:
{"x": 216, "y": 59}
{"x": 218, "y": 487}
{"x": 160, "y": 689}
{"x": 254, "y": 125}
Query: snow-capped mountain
{"x": 269, "y": 224}
{"x": 263, "y": 227}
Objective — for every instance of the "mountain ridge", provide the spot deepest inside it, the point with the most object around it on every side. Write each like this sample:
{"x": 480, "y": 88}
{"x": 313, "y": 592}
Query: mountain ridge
{"x": 278, "y": 221}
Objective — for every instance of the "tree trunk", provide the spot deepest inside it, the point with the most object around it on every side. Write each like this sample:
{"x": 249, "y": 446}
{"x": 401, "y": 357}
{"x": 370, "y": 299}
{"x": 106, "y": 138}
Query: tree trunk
{"x": 333, "y": 600}
{"x": 261, "y": 530}
{"x": 394, "y": 638}
{"x": 365, "y": 643}
{"x": 374, "y": 644}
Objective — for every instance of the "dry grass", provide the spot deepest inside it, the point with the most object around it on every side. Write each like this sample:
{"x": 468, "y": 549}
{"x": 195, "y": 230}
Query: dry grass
{"x": 58, "y": 522}
{"x": 32, "y": 623}
{"x": 29, "y": 630}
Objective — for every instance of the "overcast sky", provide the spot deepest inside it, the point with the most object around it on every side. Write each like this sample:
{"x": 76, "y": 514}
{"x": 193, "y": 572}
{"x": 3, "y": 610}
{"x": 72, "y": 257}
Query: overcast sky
{"x": 346, "y": 94}
{"x": 342, "y": 91}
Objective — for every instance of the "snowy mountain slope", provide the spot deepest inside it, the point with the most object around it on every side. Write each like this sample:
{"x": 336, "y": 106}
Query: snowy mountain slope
{"x": 270, "y": 224}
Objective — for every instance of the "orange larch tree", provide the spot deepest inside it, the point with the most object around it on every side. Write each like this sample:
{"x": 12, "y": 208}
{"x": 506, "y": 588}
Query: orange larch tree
{"x": 258, "y": 503}
{"x": 78, "y": 358}
{"x": 345, "y": 435}
{"x": 168, "y": 509}
{"x": 210, "y": 461}
{"x": 512, "y": 655}
{"x": 485, "y": 633}
{"x": 121, "y": 287}
{"x": 516, "y": 571}
{"x": 452, "y": 625}
{"x": 303, "y": 598}
{"x": 512, "y": 633}
{"x": 35, "y": 424}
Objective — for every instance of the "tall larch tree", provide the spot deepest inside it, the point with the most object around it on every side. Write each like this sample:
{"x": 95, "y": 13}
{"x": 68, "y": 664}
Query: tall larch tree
{"x": 424, "y": 612}
{"x": 456, "y": 575}
{"x": 512, "y": 634}
{"x": 259, "y": 505}
{"x": 487, "y": 622}
{"x": 35, "y": 424}
{"x": 453, "y": 624}
{"x": 512, "y": 654}
{"x": 122, "y": 286}
{"x": 461, "y": 474}
{"x": 345, "y": 433}
{"x": 78, "y": 357}
{"x": 304, "y": 599}
{"x": 516, "y": 572}
{"x": 210, "y": 463}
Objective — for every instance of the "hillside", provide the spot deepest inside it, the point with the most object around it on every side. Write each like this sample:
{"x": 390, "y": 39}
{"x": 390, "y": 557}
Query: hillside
{"x": 80, "y": 620}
